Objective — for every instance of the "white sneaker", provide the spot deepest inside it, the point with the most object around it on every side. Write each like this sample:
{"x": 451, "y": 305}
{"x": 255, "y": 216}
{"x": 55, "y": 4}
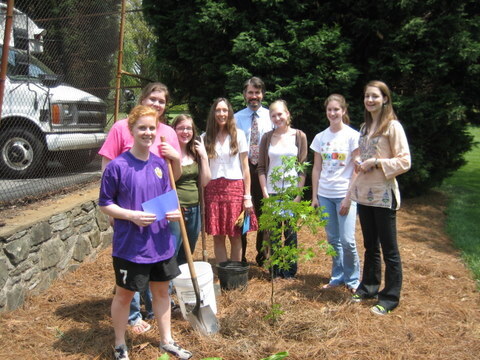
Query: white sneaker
{"x": 173, "y": 348}
{"x": 121, "y": 352}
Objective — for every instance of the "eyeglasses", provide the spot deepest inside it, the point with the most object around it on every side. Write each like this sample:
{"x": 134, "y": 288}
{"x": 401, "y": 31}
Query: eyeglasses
{"x": 182, "y": 129}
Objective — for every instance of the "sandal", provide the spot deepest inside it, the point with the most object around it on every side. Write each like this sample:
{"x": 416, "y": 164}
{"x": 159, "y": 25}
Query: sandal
{"x": 140, "y": 327}
{"x": 330, "y": 286}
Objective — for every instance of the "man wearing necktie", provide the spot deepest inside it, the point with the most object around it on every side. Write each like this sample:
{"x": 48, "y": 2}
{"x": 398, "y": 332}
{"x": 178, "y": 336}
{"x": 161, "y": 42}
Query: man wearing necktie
{"x": 255, "y": 121}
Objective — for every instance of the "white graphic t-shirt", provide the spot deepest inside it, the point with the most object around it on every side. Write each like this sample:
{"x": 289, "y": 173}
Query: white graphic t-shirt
{"x": 337, "y": 162}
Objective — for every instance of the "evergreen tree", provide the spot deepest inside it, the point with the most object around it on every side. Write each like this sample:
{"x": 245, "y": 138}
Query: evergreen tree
{"x": 427, "y": 52}
{"x": 139, "y": 52}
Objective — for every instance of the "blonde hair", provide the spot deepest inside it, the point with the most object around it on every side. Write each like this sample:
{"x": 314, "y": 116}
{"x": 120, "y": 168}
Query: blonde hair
{"x": 386, "y": 115}
{"x": 213, "y": 129}
{"x": 139, "y": 111}
{"x": 343, "y": 104}
{"x": 282, "y": 103}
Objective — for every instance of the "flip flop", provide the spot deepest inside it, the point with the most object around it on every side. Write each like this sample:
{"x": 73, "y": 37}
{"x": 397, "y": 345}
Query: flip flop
{"x": 329, "y": 286}
{"x": 141, "y": 327}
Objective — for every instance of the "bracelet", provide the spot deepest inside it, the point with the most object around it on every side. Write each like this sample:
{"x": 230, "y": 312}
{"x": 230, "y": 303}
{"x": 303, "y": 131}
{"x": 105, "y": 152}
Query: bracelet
{"x": 247, "y": 197}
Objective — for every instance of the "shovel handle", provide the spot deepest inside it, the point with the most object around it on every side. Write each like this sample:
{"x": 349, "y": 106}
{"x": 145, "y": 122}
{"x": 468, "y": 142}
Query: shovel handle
{"x": 204, "y": 236}
{"x": 183, "y": 231}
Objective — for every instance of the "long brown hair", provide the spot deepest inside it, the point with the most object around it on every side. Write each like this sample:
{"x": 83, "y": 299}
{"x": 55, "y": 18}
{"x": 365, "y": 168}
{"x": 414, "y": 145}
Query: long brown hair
{"x": 386, "y": 115}
{"x": 191, "y": 144}
{"x": 343, "y": 104}
{"x": 155, "y": 86}
{"x": 213, "y": 129}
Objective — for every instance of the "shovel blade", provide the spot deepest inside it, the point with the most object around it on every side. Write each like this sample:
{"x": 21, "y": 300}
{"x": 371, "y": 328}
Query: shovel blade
{"x": 204, "y": 320}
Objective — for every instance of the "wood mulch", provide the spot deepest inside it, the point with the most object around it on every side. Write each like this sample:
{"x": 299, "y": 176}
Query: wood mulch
{"x": 438, "y": 318}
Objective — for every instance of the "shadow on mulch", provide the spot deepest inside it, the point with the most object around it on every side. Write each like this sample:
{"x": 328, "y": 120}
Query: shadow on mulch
{"x": 91, "y": 312}
{"x": 82, "y": 342}
{"x": 92, "y": 331}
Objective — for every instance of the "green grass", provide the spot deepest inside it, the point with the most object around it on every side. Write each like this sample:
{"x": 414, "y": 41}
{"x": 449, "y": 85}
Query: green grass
{"x": 175, "y": 110}
{"x": 463, "y": 211}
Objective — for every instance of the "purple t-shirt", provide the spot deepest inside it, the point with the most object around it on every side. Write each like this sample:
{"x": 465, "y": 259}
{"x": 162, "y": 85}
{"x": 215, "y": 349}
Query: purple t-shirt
{"x": 129, "y": 182}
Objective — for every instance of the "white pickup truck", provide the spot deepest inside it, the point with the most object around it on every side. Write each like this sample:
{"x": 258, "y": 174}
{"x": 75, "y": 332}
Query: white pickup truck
{"x": 42, "y": 118}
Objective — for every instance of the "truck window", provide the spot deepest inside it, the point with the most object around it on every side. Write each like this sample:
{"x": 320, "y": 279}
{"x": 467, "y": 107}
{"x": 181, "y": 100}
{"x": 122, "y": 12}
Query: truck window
{"x": 22, "y": 66}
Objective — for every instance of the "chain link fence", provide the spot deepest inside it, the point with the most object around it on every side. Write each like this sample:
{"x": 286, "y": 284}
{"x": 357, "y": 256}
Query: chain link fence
{"x": 59, "y": 93}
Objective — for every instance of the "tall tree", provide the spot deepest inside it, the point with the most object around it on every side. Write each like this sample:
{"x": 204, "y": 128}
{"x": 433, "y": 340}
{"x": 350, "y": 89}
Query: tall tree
{"x": 139, "y": 46}
{"x": 82, "y": 36}
{"x": 428, "y": 52}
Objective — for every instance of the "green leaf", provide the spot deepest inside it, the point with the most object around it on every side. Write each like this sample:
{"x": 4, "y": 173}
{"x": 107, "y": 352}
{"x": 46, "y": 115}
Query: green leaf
{"x": 277, "y": 356}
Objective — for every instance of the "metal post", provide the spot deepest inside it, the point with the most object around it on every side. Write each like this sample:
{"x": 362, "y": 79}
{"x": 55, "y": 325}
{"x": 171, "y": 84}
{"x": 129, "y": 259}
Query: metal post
{"x": 120, "y": 63}
{"x": 6, "y": 43}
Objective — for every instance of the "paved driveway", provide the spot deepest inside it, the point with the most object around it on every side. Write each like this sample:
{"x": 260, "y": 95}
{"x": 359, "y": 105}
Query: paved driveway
{"x": 59, "y": 177}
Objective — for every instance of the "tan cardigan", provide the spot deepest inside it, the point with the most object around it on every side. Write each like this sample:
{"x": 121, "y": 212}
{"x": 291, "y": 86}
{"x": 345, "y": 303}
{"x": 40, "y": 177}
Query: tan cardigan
{"x": 263, "y": 160}
{"x": 375, "y": 187}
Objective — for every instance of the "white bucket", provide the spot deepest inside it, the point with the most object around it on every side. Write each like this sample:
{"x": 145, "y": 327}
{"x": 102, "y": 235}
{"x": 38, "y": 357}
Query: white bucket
{"x": 184, "y": 287}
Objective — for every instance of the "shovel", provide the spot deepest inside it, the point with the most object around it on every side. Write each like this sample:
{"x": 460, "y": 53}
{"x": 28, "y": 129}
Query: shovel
{"x": 201, "y": 317}
{"x": 204, "y": 236}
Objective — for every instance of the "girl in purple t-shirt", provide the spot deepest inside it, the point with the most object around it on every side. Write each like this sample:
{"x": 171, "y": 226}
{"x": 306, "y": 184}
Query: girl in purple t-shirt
{"x": 120, "y": 140}
{"x": 143, "y": 248}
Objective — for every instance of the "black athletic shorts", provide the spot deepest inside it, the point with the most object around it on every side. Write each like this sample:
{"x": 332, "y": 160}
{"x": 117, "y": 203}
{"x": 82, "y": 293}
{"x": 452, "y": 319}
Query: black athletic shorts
{"x": 135, "y": 277}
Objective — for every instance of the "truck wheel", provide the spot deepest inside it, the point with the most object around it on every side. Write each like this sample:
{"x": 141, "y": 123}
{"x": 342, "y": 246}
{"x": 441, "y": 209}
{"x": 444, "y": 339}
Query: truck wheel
{"x": 77, "y": 159}
{"x": 22, "y": 154}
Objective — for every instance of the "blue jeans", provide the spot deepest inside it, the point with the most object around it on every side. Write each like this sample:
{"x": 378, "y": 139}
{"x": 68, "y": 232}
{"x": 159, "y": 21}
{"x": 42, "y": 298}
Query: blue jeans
{"x": 135, "y": 314}
{"x": 192, "y": 218}
{"x": 341, "y": 235}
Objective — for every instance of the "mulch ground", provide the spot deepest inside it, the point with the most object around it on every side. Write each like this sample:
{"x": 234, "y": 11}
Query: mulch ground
{"x": 438, "y": 318}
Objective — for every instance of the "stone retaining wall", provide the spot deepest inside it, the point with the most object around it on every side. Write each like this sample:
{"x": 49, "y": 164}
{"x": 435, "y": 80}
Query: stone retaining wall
{"x": 36, "y": 252}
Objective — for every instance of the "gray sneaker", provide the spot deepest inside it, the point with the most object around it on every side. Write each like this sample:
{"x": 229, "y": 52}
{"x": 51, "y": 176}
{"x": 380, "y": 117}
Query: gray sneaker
{"x": 173, "y": 348}
{"x": 121, "y": 352}
{"x": 356, "y": 298}
{"x": 379, "y": 310}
